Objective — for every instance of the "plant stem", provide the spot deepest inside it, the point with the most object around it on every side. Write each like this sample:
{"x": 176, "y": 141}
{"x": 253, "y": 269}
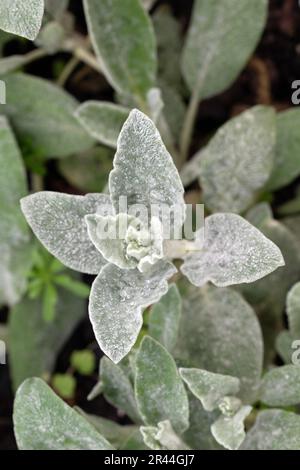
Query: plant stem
{"x": 67, "y": 71}
{"x": 37, "y": 182}
{"x": 88, "y": 58}
{"x": 189, "y": 121}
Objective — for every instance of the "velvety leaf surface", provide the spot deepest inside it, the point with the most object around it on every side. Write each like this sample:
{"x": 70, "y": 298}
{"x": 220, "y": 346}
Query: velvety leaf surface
{"x": 293, "y": 310}
{"x": 162, "y": 437}
{"x": 22, "y": 17}
{"x": 281, "y": 386}
{"x": 229, "y": 431}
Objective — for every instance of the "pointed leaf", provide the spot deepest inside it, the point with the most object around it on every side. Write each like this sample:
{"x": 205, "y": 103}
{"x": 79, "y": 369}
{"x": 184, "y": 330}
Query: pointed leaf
{"x": 42, "y": 421}
{"x": 144, "y": 171}
{"x": 57, "y": 220}
{"x": 208, "y": 387}
{"x": 22, "y": 17}
{"x": 274, "y": 430}
{"x": 281, "y": 386}
{"x": 102, "y": 120}
{"x": 159, "y": 390}
{"x": 238, "y": 160}
{"x": 207, "y": 314}
{"x": 50, "y": 125}
{"x": 118, "y": 389}
{"x": 233, "y": 252}
{"x": 116, "y": 303}
{"x": 165, "y": 318}
{"x": 215, "y": 53}
{"x": 15, "y": 246}
{"x": 229, "y": 431}
{"x": 124, "y": 41}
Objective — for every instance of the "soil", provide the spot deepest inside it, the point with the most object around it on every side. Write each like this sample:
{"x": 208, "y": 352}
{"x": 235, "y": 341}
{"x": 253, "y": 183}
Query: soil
{"x": 267, "y": 79}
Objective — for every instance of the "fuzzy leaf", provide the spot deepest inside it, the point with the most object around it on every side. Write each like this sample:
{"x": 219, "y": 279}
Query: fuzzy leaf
{"x": 57, "y": 220}
{"x": 35, "y": 344}
{"x": 284, "y": 346}
{"x": 229, "y": 431}
{"x": 287, "y": 160}
{"x": 207, "y": 314}
{"x": 238, "y": 160}
{"x": 22, "y": 17}
{"x": 116, "y": 303}
{"x": 159, "y": 390}
{"x": 49, "y": 125}
{"x": 281, "y": 386}
{"x": 293, "y": 310}
{"x": 221, "y": 38}
{"x": 233, "y": 252}
{"x": 117, "y": 389}
{"x": 56, "y": 8}
{"x": 42, "y": 421}
{"x": 274, "y": 430}
{"x": 15, "y": 244}
{"x": 162, "y": 437}
{"x": 144, "y": 170}
{"x": 124, "y": 41}
{"x": 102, "y": 120}
{"x": 165, "y": 317}
{"x": 208, "y": 387}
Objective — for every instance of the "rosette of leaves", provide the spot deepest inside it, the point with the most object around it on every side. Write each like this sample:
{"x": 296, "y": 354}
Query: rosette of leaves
{"x": 131, "y": 254}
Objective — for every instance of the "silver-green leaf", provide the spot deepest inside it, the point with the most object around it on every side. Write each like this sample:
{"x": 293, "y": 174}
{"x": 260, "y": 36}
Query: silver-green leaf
{"x": 123, "y": 38}
{"x": 209, "y": 387}
{"x": 229, "y": 431}
{"x": 42, "y": 421}
{"x": 22, "y": 17}
{"x": 162, "y": 437}
{"x": 102, "y": 120}
{"x": 117, "y": 301}
{"x": 159, "y": 389}
{"x": 238, "y": 160}
{"x": 281, "y": 386}
{"x": 233, "y": 252}
{"x": 293, "y": 310}
{"x": 221, "y": 38}
{"x": 58, "y": 222}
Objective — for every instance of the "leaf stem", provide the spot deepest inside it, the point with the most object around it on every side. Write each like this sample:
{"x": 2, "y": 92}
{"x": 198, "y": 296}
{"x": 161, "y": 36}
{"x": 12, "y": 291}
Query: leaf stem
{"x": 67, "y": 71}
{"x": 37, "y": 182}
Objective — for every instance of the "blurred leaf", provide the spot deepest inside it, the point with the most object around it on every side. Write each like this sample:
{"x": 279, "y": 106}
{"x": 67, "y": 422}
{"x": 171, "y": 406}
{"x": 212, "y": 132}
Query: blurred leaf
{"x": 15, "y": 245}
{"x": 49, "y": 110}
{"x": 274, "y": 430}
{"x": 36, "y": 344}
{"x": 208, "y": 313}
{"x": 165, "y": 317}
{"x": 293, "y": 310}
{"x": 238, "y": 160}
{"x": 83, "y": 361}
{"x": 88, "y": 171}
{"x": 287, "y": 155}
{"x": 51, "y": 37}
{"x": 56, "y": 7}
{"x": 102, "y": 120}
{"x": 284, "y": 346}
{"x": 123, "y": 38}
{"x": 42, "y": 421}
{"x": 159, "y": 390}
{"x": 50, "y": 298}
{"x": 64, "y": 385}
{"x": 22, "y": 17}
{"x": 281, "y": 386}
{"x": 221, "y": 38}
{"x": 80, "y": 289}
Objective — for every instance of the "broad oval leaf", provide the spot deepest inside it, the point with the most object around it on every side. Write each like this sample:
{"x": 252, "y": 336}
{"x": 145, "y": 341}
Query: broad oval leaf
{"x": 144, "y": 171}
{"x": 281, "y": 386}
{"x": 123, "y": 39}
{"x": 209, "y": 387}
{"x": 118, "y": 389}
{"x": 287, "y": 151}
{"x": 57, "y": 220}
{"x": 116, "y": 303}
{"x": 221, "y": 38}
{"x": 229, "y": 431}
{"x": 42, "y": 421}
{"x": 50, "y": 125}
{"x": 159, "y": 389}
{"x": 219, "y": 332}
{"x": 165, "y": 317}
{"x": 238, "y": 161}
{"x": 274, "y": 430}
{"x": 15, "y": 246}
{"x": 293, "y": 310}
{"x": 34, "y": 343}
{"x": 102, "y": 120}
{"x": 233, "y": 252}
{"x": 22, "y": 17}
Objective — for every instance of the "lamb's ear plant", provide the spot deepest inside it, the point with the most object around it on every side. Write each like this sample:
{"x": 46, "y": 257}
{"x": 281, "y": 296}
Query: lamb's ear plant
{"x": 133, "y": 269}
